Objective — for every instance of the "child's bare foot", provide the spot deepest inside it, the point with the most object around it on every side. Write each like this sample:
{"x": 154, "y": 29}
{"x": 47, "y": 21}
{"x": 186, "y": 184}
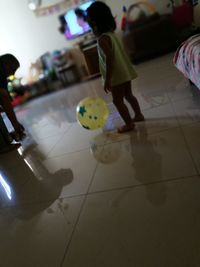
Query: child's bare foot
{"x": 126, "y": 128}
{"x": 138, "y": 118}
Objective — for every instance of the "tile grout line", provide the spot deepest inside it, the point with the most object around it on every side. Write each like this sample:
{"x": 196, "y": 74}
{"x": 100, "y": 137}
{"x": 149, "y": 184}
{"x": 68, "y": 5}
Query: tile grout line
{"x": 144, "y": 184}
{"x": 186, "y": 143}
{"x": 112, "y": 142}
{"x": 78, "y": 217}
{"x": 178, "y": 100}
{"x": 102, "y": 191}
{"x": 170, "y": 101}
{"x": 189, "y": 151}
{"x": 59, "y": 140}
{"x": 72, "y": 233}
{"x": 68, "y": 153}
{"x": 28, "y": 204}
{"x": 107, "y": 191}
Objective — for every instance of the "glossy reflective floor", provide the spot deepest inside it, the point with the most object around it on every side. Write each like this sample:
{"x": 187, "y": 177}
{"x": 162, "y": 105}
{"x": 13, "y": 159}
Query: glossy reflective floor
{"x": 76, "y": 198}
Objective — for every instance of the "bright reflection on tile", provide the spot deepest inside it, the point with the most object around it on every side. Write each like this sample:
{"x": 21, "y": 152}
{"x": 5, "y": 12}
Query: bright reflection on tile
{"x": 29, "y": 165}
{"x": 5, "y": 187}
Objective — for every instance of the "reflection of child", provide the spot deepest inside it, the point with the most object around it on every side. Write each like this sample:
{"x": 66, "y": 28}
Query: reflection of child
{"x": 81, "y": 19}
{"x": 115, "y": 67}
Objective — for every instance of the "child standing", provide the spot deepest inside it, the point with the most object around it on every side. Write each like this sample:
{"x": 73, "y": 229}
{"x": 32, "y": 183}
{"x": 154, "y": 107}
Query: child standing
{"x": 115, "y": 67}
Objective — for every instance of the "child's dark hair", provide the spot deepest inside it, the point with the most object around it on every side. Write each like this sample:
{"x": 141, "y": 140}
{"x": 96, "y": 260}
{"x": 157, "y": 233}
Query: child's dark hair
{"x": 100, "y": 14}
{"x": 80, "y": 13}
{"x": 10, "y": 59}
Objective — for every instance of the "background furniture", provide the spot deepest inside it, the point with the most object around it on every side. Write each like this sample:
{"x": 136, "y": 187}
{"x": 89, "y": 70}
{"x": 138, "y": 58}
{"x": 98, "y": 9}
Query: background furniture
{"x": 153, "y": 37}
{"x": 90, "y": 54}
{"x": 68, "y": 74}
{"x": 65, "y": 67}
{"x": 187, "y": 59}
{"x": 152, "y": 34}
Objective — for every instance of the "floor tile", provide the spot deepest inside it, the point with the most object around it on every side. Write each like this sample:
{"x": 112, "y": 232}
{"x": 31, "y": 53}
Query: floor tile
{"x": 158, "y": 75}
{"x": 187, "y": 110}
{"x": 160, "y": 118}
{"x": 49, "y": 130}
{"x": 43, "y": 146}
{"x": 137, "y": 190}
{"x": 157, "y": 119}
{"x": 149, "y": 99}
{"x": 26, "y": 182}
{"x": 143, "y": 159}
{"x": 192, "y": 133}
{"x": 180, "y": 91}
{"x": 75, "y": 139}
{"x": 37, "y": 235}
{"x": 34, "y": 179}
{"x": 81, "y": 166}
{"x": 155, "y": 225}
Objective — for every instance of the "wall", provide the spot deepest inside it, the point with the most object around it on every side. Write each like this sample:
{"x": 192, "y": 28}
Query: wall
{"x": 25, "y": 35}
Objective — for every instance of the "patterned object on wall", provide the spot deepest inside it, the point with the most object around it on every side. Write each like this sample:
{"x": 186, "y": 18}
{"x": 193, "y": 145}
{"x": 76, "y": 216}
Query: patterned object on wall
{"x": 52, "y": 9}
{"x": 56, "y": 8}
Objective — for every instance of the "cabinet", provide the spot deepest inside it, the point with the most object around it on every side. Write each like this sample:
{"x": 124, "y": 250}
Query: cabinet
{"x": 91, "y": 58}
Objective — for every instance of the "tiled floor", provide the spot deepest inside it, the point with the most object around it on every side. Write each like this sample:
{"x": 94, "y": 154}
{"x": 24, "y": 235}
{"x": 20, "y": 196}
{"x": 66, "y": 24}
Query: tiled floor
{"x": 76, "y": 198}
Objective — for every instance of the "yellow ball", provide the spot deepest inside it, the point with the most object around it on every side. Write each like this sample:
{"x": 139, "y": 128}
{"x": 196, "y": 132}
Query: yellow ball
{"x": 92, "y": 113}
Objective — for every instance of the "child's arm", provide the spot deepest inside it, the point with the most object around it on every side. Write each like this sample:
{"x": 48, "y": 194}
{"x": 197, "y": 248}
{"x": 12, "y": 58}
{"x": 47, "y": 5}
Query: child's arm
{"x": 106, "y": 46}
{"x": 7, "y": 107}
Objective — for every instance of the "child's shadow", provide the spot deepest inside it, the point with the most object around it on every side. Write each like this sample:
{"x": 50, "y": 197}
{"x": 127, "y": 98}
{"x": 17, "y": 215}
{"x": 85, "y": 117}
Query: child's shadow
{"x": 147, "y": 163}
{"x": 30, "y": 186}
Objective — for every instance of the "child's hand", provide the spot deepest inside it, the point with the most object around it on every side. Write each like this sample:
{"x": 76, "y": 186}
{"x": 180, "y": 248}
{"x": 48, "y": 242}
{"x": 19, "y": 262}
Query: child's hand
{"x": 19, "y": 132}
{"x": 107, "y": 86}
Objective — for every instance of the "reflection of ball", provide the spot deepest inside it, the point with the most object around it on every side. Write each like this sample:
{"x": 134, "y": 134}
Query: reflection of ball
{"x": 92, "y": 113}
{"x": 106, "y": 154}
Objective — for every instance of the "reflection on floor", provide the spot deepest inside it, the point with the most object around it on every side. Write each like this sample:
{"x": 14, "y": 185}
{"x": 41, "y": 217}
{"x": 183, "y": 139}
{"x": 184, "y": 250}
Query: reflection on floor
{"x": 78, "y": 198}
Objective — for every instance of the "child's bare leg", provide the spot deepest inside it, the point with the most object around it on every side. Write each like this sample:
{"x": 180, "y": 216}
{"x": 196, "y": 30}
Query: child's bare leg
{"x": 133, "y": 102}
{"x": 118, "y": 100}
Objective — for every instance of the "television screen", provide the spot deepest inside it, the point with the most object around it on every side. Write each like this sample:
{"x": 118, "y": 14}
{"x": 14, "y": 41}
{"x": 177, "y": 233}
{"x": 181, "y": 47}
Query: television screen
{"x": 75, "y": 23}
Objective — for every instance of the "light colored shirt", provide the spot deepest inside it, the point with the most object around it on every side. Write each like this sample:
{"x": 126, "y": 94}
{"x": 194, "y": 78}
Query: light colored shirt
{"x": 123, "y": 70}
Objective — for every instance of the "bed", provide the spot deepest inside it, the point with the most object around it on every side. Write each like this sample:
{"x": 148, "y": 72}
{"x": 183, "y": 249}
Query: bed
{"x": 187, "y": 59}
